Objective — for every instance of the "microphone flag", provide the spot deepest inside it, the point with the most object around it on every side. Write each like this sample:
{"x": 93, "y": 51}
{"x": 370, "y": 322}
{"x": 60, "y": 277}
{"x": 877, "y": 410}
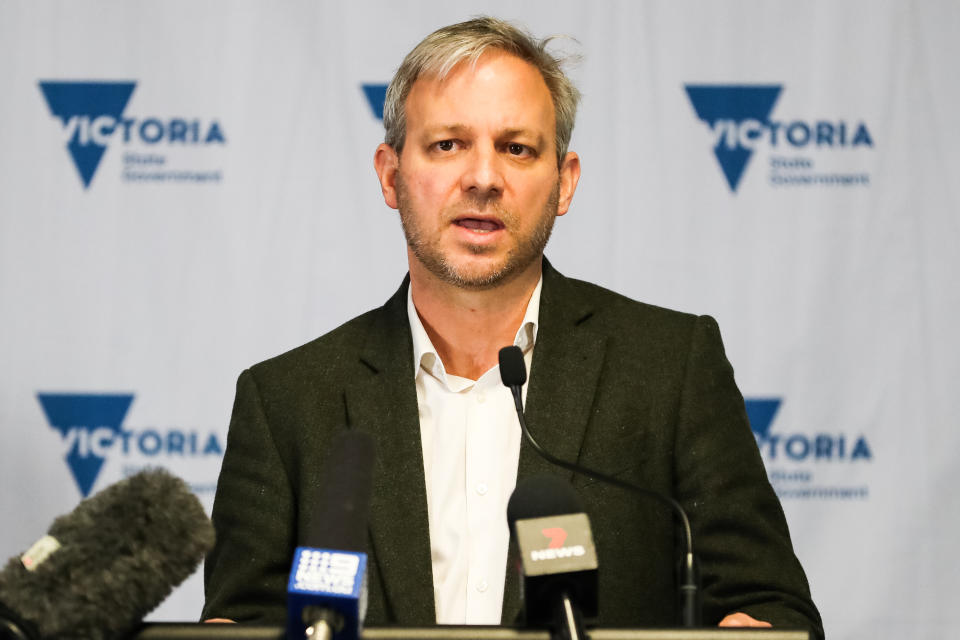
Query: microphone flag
{"x": 329, "y": 579}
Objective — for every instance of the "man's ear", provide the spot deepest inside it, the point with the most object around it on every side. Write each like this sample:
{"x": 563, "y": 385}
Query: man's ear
{"x": 569, "y": 177}
{"x": 386, "y": 162}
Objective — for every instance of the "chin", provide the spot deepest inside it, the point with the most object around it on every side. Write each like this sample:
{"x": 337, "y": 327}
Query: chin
{"x": 482, "y": 274}
{"x": 478, "y": 278}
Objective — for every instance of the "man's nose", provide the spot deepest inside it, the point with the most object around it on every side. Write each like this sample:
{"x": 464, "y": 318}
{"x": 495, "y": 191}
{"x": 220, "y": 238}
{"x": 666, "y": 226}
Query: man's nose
{"x": 483, "y": 173}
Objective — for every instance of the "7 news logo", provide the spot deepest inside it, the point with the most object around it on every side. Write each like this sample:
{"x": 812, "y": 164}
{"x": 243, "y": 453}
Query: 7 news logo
{"x": 93, "y": 114}
{"x": 555, "y": 549}
{"x": 740, "y": 121}
{"x": 557, "y": 536}
{"x": 91, "y": 427}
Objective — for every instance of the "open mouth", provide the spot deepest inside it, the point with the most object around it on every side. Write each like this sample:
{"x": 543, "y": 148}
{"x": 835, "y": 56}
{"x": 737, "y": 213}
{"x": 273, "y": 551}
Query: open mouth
{"x": 480, "y": 225}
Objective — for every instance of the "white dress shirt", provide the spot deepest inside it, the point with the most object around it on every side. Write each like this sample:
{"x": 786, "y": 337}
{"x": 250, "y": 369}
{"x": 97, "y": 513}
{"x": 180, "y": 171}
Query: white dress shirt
{"x": 471, "y": 447}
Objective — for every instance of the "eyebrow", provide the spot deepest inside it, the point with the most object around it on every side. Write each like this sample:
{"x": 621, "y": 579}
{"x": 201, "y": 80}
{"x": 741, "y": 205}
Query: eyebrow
{"x": 461, "y": 129}
{"x": 444, "y": 129}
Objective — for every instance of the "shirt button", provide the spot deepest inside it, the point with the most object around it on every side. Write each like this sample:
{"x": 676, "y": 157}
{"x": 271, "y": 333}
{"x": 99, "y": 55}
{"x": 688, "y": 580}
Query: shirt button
{"x": 482, "y": 586}
{"x": 482, "y": 489}
{"x": 481, "y": 398}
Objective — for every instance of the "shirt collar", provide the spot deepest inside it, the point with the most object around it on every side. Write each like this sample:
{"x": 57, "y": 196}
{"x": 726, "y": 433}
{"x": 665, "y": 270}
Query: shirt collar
{"x": 425, "y": 356}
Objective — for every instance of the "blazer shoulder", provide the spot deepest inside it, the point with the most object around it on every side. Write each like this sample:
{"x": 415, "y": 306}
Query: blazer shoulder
{"x": 614, "y": 311}
{"x": 320, "y": 355}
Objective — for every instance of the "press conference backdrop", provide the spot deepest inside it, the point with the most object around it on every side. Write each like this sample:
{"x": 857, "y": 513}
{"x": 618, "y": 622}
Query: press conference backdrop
{"x": 187, "y": 188}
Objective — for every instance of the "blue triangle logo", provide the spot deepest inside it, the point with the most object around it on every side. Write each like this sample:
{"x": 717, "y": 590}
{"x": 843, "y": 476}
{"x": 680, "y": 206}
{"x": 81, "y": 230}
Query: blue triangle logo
{"x": 761, "y": 412}
{"x": 376, "y": 95}
{"x": 724, "y": 108}
{"x": 88, "y": 424}
{"x": 78, "y": 105}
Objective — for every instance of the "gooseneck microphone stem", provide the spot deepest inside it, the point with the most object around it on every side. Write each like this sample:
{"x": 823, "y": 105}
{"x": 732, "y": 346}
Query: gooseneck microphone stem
{"x": 602, "y": 477}
{"x": 690, "y": 612}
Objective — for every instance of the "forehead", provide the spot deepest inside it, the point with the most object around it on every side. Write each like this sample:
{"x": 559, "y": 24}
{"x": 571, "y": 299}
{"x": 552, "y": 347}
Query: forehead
{"x": 498, "y": 91}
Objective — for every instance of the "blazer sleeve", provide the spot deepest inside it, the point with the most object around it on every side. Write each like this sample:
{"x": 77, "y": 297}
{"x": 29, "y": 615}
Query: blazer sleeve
{"x": 740, "y": 532}
{"x": 254, "y": 516}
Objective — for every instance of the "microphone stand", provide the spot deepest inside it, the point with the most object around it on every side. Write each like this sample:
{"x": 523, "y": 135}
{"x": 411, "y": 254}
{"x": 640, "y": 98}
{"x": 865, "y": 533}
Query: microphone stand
{"x": 322, "y": 623}
{"x": 569, "y": 621}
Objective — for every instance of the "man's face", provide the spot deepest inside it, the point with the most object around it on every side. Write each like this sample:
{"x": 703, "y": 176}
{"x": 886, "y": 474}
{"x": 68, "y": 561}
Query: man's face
{"x": 477, "y": 184}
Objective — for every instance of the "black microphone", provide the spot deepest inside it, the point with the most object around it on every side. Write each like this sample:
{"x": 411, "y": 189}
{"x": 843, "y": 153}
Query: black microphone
{"x": 101, "y": 568}
{"x": 513, "y": 374}
{"x": 558, "y": 557}
{"x": 326, "y": 595}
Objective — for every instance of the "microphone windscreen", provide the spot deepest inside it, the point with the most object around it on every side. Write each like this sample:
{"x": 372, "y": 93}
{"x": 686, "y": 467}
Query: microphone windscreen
{"x": 540, "y": 497}
{"x": 110, "y": 561}
{"x": 513, "y": 370}
{"x": 342, "y": 504}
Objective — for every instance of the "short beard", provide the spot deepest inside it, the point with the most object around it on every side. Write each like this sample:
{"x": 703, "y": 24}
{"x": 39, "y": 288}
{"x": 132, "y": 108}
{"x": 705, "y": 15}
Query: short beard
{"x": 519, "y": 258}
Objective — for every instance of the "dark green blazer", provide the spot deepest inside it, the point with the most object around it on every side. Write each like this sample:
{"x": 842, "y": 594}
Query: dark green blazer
{"x": 634, "y": 390}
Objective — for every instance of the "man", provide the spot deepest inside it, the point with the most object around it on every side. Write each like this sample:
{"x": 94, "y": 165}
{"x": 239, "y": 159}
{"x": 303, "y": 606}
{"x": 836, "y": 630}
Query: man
{"x": 478, "y": 119}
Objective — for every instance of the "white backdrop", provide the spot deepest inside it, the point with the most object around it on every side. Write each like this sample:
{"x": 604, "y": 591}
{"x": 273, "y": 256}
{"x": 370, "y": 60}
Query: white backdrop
{"x": 233, "y": 213}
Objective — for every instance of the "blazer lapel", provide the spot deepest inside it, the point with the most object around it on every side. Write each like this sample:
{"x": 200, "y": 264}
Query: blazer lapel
{"x": 567, "y": 362}
{"x": 384, "y": 404}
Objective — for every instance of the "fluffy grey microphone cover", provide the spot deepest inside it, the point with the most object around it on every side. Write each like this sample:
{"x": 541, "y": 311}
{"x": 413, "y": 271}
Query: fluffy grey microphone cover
{"x": 122, "y": 552}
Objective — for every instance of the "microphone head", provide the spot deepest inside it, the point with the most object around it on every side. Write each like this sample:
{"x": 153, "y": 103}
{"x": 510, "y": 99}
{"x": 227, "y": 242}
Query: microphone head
{"x": 341, "y": 506}
{"x": 112, "y": 560}
{"x": 540, "y": 497}
{"x": 513, "y": 370}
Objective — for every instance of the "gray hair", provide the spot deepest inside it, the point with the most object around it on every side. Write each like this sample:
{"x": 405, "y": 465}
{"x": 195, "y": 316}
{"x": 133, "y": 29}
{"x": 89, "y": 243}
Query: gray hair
{"x": 445, "y": 48}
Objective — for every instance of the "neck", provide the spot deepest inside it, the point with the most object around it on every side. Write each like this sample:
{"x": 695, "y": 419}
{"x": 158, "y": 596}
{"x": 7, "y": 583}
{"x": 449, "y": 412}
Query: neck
{"x": 469, "y": 327}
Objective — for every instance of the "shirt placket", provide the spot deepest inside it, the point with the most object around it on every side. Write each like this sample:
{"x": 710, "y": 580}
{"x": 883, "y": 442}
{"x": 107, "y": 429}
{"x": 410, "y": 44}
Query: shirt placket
{"x": 480, "y": 498}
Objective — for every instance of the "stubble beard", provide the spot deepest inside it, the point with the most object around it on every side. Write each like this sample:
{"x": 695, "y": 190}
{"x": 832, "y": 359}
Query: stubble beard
{"x": 430, "y": 254}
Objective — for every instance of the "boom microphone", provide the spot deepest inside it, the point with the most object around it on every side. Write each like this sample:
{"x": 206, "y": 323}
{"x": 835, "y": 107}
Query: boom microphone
{"x": 101, "y": 568}
{"x": 326, "y": 595}
{"x": 513, "y": 374}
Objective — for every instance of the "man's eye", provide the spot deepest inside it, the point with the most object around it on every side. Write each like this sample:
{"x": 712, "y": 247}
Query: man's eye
{"x": 517, "y": 149}
{"x": 445, "y": 145}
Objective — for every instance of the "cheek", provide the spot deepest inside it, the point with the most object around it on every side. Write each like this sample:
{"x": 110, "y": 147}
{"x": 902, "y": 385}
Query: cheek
{"x": 432, "y": 190}
{"x": 534, "y": 195}
{"x": 429, "y": 190}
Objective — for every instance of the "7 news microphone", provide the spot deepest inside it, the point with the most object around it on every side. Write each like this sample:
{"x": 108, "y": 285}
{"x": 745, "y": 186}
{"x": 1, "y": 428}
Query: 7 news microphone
{"x": 101, "y": 568}
{"x": 513, "y": 373}
{"x": 326, "y": 594}
{"x": 559, "y": 579}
